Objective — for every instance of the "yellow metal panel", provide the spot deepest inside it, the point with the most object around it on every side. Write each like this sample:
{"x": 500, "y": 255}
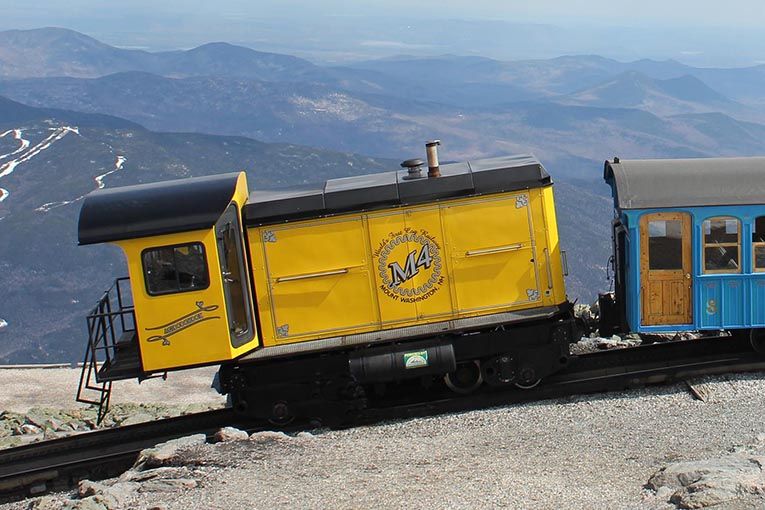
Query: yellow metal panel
{"x": 431, "y": 283}
{"x": 361, "y": 272}
{"x": 492, "y": 252}
{"x": 558, "y": 294}
{"x": 204, "y": 339}
{"x": 319, "y": 278}
{"x": 390, "y": 245}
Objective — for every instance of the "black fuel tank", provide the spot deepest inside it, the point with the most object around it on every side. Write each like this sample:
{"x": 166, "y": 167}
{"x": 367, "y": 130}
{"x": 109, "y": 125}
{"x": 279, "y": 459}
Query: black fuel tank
{"x": 397, "y": 362}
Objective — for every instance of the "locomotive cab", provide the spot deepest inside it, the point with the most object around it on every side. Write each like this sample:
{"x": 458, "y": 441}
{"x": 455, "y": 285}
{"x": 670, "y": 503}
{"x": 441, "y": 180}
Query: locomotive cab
{"x": 190, "y": 300}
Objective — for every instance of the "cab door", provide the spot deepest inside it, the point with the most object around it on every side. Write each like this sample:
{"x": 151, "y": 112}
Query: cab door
{"x": 236, "y": 286}
{"x": 665, "y": 269}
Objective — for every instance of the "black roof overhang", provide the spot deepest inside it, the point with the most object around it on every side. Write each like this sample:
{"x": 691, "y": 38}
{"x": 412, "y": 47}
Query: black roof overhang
{"x": 157, "y": 208}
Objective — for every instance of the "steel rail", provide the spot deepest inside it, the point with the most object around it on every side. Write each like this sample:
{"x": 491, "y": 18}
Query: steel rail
{"x": 47, "y": 465}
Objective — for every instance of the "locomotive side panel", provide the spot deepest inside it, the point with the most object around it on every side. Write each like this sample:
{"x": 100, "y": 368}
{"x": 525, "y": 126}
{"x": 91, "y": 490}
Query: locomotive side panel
{"x": 406, "y": 266}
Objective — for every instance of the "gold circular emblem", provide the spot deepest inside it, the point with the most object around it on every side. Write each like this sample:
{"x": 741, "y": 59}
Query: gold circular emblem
{"x": 403, "y": 256}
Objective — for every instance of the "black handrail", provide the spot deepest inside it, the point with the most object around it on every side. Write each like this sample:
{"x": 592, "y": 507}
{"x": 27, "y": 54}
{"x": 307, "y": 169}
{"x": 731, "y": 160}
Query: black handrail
{"x": 102, "y": 344}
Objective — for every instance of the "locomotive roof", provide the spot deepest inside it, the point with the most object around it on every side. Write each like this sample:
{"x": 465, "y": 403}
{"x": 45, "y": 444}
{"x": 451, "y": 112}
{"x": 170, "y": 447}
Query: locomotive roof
{"x": 390, "y": 189}
{"x": 660, "y": 183}
{"x": 128, "y": 212}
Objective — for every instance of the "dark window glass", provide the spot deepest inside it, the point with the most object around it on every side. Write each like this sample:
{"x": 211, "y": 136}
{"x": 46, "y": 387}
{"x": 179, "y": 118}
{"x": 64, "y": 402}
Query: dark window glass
{"x": 175, "y": 269}
{"x": 665, "y": 244}
{"x": 721, "y": 258}
{"x": 722, "y": 245}
{"x": 759, "y": 257}
{"x": 758, "y": 236}
{"x": 721, "y": 230}
{"x": 758, "y": 244}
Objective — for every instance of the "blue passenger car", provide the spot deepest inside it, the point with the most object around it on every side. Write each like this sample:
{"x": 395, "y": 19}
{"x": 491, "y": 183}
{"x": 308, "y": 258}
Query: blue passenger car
{"x": 689, "y": 245}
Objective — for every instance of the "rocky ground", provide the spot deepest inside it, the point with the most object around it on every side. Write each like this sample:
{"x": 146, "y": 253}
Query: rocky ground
{"x": 652, "y": 449}
{"x": 40, "y": 403}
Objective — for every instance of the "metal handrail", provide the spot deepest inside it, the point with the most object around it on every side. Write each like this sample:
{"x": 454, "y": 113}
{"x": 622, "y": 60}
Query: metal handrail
{"x": 102, "y": 344}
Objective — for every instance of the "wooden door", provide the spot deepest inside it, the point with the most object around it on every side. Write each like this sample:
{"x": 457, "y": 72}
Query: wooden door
{"x": 665, "y": 268}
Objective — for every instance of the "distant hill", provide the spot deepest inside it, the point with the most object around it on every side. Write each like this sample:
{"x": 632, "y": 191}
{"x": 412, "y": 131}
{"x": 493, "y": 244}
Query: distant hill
{"x": 58, "y": 156}
{"x": 48, "y": 282}
{"x": 636, "y": 90}
{"x": 47, "y": 52}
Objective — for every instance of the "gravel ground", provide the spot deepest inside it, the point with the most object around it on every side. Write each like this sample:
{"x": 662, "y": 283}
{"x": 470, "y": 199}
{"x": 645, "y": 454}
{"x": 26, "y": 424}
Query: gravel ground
{"x": 22, "y": 389}
{"x": 579, "y": 452}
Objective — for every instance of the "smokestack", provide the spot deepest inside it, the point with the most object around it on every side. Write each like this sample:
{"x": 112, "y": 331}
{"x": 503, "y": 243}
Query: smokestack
{"x": 431, "y": 148}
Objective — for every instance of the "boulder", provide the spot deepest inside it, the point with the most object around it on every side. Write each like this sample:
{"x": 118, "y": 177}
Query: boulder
{"x": 705, "y": 483}
{"x": 227, "y": 434}
{"x": 165, "y": 453}
{"x": 46, "y": 503}
{"x": 269, "y": 436}
{"x": 29, "y": 428}
{"x": 117, "y": 494}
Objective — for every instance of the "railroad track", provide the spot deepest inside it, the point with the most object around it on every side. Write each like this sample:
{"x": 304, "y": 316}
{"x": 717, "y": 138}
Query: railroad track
{"x": 58, "y": 464}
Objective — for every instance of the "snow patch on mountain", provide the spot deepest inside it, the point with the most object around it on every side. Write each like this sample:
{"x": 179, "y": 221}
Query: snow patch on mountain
{"x": 24, "y": 143}
{"x": 99, "y": 182}
{"x": 117, "y": 166}
{"x": 25, "y": 152}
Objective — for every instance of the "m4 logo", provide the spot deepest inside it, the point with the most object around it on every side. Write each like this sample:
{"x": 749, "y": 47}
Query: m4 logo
{"x": 414, "y": 262}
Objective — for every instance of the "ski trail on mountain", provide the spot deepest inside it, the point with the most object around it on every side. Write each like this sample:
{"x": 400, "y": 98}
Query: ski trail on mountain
{"x": 99, "y": 182}
{"x": 58, "y": 133}
{"x": 25, "y": 153}
{"x": 117, "y": 166}
{"x": 17, "y": 135}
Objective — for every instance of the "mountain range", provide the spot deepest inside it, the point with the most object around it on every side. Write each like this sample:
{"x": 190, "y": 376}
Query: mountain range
{"x": 78, "y": 114}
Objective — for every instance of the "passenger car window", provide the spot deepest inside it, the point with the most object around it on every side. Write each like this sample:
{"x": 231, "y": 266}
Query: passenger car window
{"x": 171, "y": 269}
{"x": 665, "y": 244}
{"x": 722, "y": 245}
{"x": 758, "y": 244}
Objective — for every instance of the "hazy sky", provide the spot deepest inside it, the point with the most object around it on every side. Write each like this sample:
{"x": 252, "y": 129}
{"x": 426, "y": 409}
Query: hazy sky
{"x": 628, "y": 12}
{"x": 699, "y": 32}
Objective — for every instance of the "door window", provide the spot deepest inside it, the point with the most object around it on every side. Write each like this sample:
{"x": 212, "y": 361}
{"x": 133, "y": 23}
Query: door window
{"x": 235, "y": 284}
{"x": 722, "y": 245}
{"x": 665, "y": 244}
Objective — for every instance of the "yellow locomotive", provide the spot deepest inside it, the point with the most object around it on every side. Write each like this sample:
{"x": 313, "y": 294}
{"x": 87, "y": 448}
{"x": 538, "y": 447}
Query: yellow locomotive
{"x": 315, "y": 298}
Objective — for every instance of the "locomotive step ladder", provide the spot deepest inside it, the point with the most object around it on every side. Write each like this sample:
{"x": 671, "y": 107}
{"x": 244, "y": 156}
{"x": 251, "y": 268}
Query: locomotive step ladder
{"x": 112, "y": 351}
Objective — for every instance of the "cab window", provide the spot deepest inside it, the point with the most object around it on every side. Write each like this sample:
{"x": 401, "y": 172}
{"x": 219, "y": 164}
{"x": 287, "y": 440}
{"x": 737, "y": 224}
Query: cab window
{"x": 171, "y": 269}
{"x": 758, "y": 244}
{"x": 722, "y": 245}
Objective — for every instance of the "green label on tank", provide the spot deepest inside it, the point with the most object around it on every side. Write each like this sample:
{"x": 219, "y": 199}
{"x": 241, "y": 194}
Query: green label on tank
{"x": 416, "y": 359}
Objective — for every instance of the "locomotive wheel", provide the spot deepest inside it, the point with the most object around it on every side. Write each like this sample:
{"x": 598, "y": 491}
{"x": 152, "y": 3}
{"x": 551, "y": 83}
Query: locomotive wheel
{"x": 466, "y": 379}
{"x": 757, "y": 339}
{"x": 533, "y": 384}
{"x": 280, "y": 414}
{"x": 527, "y": 378}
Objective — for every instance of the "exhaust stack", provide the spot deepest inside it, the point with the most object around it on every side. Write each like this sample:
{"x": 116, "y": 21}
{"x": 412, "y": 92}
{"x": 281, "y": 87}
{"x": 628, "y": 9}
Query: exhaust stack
{"x": 431, "y": 148}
